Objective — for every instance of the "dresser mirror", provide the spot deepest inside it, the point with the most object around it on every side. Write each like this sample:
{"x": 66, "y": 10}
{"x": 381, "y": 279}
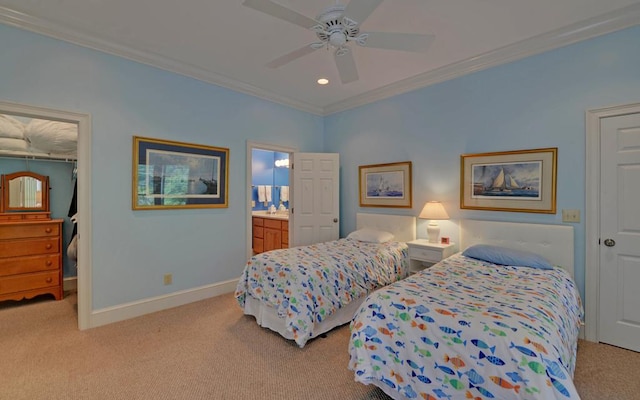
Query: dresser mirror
{"x": 24, "y": 191}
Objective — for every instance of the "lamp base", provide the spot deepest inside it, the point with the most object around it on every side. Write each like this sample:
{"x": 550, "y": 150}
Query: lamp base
{"x": 433, "y": 232}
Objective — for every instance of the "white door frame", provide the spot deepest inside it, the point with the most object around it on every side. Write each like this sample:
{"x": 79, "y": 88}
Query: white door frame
{"x": 250, "y": 147}
{"x": 592, "y": 211}
{"x": 84, "y": 282}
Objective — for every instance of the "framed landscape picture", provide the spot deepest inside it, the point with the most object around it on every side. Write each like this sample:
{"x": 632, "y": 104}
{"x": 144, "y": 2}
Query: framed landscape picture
{"x": 168, "y": 174}
{"x": 518, "y": 181}
{"x": 385, "y": 185}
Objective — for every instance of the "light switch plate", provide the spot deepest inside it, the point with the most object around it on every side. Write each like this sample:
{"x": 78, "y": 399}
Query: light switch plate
{"x": 570, "y": 215}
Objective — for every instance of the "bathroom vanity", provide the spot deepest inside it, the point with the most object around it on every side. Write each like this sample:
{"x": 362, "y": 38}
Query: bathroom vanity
{"x": 270, "y": 231}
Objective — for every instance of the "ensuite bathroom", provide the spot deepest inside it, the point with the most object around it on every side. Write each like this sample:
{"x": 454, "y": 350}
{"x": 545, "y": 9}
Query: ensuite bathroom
{"x": 269, "y": 200}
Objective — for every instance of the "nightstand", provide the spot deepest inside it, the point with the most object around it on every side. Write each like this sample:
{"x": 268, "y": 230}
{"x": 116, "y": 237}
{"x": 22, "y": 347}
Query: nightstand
{"x": 423, "y": 254}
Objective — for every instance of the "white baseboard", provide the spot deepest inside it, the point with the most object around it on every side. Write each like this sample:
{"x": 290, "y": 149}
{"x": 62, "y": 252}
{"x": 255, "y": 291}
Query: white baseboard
{"x": 69, "y": 284}
{"x": 138, "y": 308}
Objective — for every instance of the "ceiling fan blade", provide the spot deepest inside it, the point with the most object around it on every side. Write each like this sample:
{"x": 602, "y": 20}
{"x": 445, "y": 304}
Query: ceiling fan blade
{"x": 413, "y": 42}
{"x": 346, "y": 67}
{"x": 359, "y": 10}
{"x": 287, "y": 58}
{"x": 281, "y": 12}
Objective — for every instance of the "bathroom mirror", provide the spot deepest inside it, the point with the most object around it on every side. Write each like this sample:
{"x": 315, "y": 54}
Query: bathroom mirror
{"x": 24, "y": 191}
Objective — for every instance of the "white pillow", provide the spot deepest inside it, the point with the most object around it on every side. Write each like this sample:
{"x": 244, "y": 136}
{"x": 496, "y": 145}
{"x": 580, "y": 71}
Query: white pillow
{"x": 11, "y": 128}
{"x": 371, "y": 235}
{"x": 52, "y": 136}
{"x": 12, "y": 144}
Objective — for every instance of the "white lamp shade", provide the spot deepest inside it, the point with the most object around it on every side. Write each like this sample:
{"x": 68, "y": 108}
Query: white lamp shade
{"x": 433, "y": 210}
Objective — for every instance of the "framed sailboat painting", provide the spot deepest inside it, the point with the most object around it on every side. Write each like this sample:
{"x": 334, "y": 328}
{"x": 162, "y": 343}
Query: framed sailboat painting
{"x": 518, "y": 181}
{"x": 385, "y": 185}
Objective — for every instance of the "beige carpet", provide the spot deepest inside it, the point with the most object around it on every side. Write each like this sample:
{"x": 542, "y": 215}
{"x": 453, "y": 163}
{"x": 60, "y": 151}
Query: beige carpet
{"x": 209, "y": 350}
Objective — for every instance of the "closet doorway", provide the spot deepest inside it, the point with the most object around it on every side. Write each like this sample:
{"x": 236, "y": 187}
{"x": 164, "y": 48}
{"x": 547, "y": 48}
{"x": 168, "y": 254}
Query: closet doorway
{"x": 268, "y": 194}
{"x": 79, "y": 171}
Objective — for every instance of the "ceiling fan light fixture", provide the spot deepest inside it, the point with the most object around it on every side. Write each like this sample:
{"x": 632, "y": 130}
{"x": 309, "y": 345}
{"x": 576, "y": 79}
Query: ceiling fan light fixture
{"x": 335, "y": 27}
{"x": 337, "y": 39}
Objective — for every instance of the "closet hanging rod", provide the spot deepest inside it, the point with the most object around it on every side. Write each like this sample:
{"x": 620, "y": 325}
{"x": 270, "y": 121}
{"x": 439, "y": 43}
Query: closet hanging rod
{"x": 32, "y": 158}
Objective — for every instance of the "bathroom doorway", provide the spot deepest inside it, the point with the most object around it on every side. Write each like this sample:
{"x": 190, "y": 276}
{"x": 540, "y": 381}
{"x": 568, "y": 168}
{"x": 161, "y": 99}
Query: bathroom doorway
{"x": 268, "y": 197}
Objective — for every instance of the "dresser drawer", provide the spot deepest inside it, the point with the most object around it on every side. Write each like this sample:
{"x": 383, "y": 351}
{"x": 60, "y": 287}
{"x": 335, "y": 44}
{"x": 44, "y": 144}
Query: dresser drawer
{"x": 425, "y": 254}
{"x": 17, "y": 248}
{"x": 28, "y": 230}
{"x": 17, "y": 283}
{"x": 22, "y": 265}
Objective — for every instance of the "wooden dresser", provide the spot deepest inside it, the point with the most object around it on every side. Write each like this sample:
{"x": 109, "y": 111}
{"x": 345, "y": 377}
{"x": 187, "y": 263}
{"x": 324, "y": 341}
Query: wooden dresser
{"x": 30, "y": 241}
{"x": 30, "y": 259}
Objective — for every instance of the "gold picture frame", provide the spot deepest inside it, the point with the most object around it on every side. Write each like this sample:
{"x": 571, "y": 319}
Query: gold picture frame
{"x": 386, "y": 185}
{"x": 170, "y": 175}
{"x": 517, "y": 181}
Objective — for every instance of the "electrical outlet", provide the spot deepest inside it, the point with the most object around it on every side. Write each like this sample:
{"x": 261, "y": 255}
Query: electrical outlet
{"x": 168, "y": 279}
{"x": 570, "y": 215}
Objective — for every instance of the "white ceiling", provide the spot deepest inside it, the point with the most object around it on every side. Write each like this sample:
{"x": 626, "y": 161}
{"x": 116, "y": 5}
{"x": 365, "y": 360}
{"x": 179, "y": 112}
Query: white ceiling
{"x": 226, "y": 43}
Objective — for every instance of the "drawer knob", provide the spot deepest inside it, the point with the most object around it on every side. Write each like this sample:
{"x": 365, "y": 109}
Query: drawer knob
{"x": 48, "y": 230}
{"x": 48, "y": 246}
{"x": 48, "y": 263}
{"x": 49, "y": 280}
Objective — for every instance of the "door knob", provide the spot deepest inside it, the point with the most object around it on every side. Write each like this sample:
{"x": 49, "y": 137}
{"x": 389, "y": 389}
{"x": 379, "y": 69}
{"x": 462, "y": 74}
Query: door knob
{"x": 335, "y": 220}
{"x": 609, "y": 242}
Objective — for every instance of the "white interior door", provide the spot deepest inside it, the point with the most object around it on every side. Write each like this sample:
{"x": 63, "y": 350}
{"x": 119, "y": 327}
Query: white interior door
{"x": 315, "y": 204}
{"x": 619, "y": 299}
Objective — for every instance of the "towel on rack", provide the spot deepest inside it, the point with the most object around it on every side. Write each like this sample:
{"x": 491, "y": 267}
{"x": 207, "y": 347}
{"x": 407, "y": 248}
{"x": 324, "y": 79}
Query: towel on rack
{"x": 284, "y": 193}
{"x": 262, "y": 193}
{"x": 267, "y": 193}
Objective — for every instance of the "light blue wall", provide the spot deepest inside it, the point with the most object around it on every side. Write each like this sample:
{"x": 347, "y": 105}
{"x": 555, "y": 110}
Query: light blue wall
{"x": 133, "y": 249}
{"x": 533, "y": 103}
{"x": 536, "y": 102}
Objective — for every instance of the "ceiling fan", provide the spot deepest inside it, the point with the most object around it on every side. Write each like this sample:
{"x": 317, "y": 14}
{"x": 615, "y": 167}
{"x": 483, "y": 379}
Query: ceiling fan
{"x": 335, "y": 27}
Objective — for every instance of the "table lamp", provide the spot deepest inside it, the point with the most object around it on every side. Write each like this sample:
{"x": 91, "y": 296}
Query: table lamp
{"x": 433, "y": 211}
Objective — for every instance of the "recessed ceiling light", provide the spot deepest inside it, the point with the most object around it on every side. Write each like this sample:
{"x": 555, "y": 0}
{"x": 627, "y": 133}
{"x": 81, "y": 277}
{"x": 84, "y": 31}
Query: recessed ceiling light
{"x": 323, "y": 81}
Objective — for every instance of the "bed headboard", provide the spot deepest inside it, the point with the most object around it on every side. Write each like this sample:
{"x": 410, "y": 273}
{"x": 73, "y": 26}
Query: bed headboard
{"x": 554, "y": 242}
{"x": 403, "y": 227}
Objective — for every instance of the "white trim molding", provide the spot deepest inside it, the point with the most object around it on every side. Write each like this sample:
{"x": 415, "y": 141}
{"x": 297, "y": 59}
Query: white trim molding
{"x": 603, "y": 24}
{"x": 70, "y": 284}
{"x": 138, "y": 308}
{"x": 83, "y": 121}
{"x": 592, "y": 211}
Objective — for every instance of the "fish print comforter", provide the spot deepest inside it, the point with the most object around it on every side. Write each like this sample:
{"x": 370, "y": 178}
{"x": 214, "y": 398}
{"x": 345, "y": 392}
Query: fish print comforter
{"x": 307, "y": 284}
{"x": 468, "y": 329}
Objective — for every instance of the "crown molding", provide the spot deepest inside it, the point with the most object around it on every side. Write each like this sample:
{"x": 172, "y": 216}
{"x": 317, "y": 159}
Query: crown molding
{"x": 603, "y": 24}
{"x": 57, "y": 31}
{"x": 610, "y": 22}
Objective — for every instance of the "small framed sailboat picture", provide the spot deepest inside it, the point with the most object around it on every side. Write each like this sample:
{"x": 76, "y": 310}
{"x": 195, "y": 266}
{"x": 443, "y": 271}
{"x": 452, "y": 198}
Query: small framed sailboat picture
{"x": 385, "y": 185}
{"x": 517, "y": 181}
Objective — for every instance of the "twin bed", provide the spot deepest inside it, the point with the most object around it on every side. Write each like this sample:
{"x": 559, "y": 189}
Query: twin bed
{"x": 303, "y": 292}
{"x": 464, "y": 328}
{"x": 469, "y": 328}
